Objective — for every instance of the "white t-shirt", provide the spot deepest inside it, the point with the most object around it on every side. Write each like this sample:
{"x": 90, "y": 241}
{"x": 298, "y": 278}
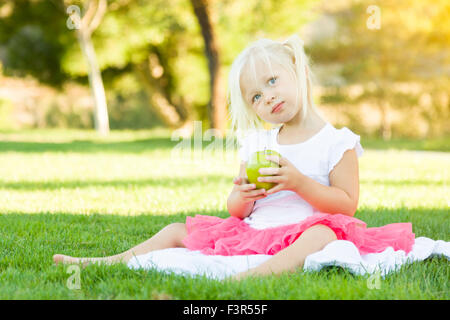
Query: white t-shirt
{"x": 315, "y": 158}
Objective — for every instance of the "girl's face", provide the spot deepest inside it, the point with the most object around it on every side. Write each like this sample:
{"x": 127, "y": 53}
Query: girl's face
{"x": 269, "y": 90}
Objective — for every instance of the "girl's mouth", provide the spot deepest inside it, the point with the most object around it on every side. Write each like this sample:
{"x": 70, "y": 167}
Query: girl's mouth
{"x": 278, "y": 107}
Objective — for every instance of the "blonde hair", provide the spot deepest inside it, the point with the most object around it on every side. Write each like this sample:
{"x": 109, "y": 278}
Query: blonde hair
{"x": 291, "y": 55}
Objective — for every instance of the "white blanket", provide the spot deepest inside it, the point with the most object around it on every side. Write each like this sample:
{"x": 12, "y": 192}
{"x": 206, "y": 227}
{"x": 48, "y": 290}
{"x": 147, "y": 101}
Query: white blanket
{"x": 342, "y": 253}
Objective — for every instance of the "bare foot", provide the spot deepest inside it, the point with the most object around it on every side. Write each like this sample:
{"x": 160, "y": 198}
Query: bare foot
{"x": 60, "y": 258}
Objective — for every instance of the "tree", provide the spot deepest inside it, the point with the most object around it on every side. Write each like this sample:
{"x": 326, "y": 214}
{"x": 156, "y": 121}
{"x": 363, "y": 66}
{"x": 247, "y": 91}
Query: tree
{"x": 155, "y": 41}
{"x": 146, "y": 38}
{"x": 35, "y": 37}
{"x": 27, "y": 45}
{"x": 85, "y": 25}
{"x": 217, "y": 105}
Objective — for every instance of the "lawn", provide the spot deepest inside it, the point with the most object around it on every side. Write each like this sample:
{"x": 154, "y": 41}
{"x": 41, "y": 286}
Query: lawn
{"x": 68, "y": 191}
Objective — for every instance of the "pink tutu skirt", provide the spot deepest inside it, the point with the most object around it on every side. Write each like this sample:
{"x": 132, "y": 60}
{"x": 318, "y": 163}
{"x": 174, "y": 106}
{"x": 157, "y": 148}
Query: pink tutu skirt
{"x": 232, "y": 236}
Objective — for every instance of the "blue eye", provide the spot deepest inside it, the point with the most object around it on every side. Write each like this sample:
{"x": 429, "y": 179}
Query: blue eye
{"x": 273, "y": 78}
{"x": 253, "y": 99}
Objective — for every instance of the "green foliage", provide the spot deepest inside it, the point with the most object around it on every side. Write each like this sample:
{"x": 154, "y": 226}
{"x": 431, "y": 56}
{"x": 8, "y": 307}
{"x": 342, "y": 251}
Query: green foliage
{"x": 241, "y": 22}
{"x": 401, "y": 68}
{"x": 30, "y": 52}
{"x": 33, "y": 41}
{"x": 129, "y": 30}
{"x": 128, "y": 105}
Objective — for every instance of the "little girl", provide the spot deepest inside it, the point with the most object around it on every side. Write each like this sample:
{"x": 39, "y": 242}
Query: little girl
{"x": 316, "y": 184}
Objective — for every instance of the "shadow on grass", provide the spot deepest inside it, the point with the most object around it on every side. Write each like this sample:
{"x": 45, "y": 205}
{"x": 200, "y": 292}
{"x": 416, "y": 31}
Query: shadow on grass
{"x": 87, "y": 146}
{"x": 168, "y": 182}
{"x": 151, "y": 144}
{"x": 77, "y": 184}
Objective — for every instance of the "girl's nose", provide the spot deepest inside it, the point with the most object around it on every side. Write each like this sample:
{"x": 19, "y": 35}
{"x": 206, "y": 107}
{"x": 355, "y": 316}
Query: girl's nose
{"x": 270, "y": 99}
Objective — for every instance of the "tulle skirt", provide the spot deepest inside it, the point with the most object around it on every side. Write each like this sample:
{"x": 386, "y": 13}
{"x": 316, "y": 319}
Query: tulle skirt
{"x": 232, "y": 236}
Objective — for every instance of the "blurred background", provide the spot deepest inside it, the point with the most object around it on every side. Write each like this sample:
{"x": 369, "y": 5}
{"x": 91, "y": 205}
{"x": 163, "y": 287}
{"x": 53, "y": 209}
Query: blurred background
{"x": 382, "y": 67}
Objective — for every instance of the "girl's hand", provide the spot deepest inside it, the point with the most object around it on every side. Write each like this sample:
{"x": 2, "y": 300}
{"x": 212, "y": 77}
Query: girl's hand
{"x": 247, "y": 191}
{"x": 287, "y": 176}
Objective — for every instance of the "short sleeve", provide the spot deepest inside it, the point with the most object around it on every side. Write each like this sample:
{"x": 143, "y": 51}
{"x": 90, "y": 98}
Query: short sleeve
{"x": 345, "y": 140}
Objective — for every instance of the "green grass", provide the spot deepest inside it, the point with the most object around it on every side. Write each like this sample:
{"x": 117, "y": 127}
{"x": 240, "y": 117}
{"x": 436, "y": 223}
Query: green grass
{"x": 74, "y": 193}
{"x": 436, "y": 144}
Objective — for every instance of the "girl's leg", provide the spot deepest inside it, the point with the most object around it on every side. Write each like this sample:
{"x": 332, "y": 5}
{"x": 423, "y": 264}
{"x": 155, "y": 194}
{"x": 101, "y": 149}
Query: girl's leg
{"x": 170, "y": 236}
{"x": 292, "y": 258}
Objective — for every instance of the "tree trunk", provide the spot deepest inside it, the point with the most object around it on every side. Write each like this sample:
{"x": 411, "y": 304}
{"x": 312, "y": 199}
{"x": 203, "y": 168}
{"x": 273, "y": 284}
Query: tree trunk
{"x": 217, "y": 112}
{"x": 96, "y": 83}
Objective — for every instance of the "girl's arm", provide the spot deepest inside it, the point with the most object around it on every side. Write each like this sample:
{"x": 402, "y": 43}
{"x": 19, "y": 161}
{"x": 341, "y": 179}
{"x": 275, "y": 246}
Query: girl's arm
{"x": 343, "y": 193}
{"x": 237, "y": 208}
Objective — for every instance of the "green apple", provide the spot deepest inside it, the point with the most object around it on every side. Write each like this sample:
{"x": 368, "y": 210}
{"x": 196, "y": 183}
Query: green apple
{"x": 257, "y": 161}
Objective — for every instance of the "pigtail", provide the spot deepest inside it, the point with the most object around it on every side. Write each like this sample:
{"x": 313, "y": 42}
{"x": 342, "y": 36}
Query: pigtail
{"x": 295, "y": 45}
